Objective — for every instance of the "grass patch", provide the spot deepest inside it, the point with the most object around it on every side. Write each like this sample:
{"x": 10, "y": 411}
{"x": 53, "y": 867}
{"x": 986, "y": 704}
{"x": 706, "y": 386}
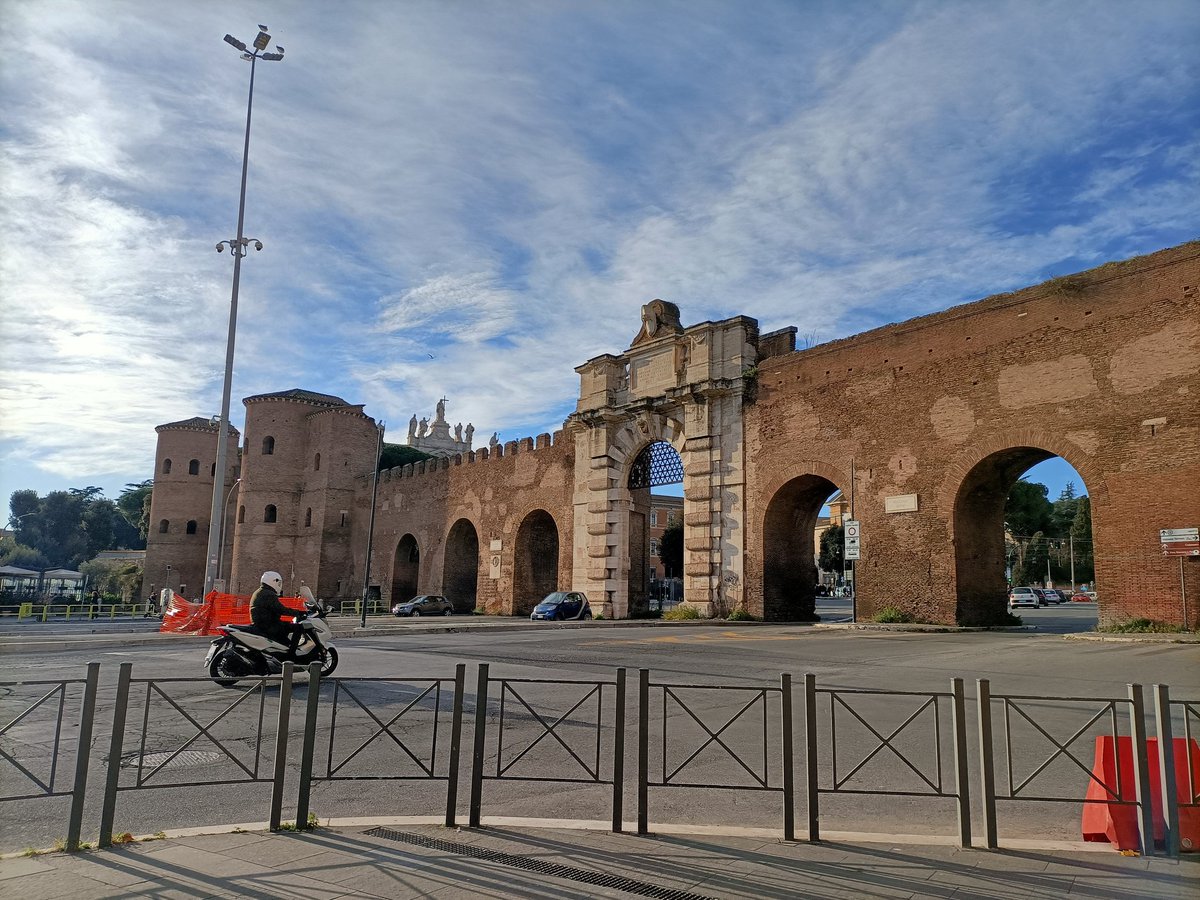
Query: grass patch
{"x": 741, "y": 615}
{"x": 1142, "y": 626}
{"x": 681, "y": 613}
{"x": 313, "y": 822}
{"x": 893, "y": 615}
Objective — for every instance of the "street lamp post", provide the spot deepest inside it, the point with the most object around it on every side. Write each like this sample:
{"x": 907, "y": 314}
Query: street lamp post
{"x": 237, "y": 249}
{"x": 224, "y": 513}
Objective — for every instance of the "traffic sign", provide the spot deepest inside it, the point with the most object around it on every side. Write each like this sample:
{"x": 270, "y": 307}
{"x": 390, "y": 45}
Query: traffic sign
{"x": 1180, "y": 541}
{"x": 851, "y": 531}
{"x": 852, "y": 552}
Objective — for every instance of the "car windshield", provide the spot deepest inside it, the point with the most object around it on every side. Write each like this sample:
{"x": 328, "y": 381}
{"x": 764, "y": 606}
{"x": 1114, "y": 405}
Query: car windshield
{"x": 554, "y": 599}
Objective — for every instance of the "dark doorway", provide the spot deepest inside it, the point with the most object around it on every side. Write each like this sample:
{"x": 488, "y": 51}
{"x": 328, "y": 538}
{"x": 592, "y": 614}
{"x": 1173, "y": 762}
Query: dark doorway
{"x": 406, "y": 569}
{"x": 789, "y": 549}
{"x": 461, "y": 577}
{"x": 655, "y": 528}
{"x": 536, "y": 561}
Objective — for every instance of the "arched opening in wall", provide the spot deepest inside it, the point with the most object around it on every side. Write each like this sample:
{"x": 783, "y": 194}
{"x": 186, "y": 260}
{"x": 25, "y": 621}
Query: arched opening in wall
{"x": 535, "y": 561}
{"x": 166, "y": 467}
{"x": 317, "y": 463}
{"x": 308, "y": 517}
{"x": 270, "y": 513}
{"x": 241, "y": 514}
{"x": 191, "y": 526}
{"x": 406, "y": 569}
{"x": 795, "y": 572}
{"x": 268, "y": 446}
{"x": 460, "y": 581}
{"x": 164, "y": 526}
{"x": 655, "y": 530}
{"x": 1023, "y": 543}
{"x": 194, "y": 467}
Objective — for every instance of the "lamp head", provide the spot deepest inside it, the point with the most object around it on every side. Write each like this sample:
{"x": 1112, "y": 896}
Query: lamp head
{"x": 261, "y": 40}
{"x": 231, "y": 40}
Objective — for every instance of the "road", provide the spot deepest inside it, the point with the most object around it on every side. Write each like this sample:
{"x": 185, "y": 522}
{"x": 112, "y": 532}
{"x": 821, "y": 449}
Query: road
{"x": 1015, "y": 663}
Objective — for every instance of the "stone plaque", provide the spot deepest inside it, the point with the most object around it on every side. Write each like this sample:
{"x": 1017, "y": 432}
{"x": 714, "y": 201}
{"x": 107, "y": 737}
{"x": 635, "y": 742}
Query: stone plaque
{"x": 900, "y": 503}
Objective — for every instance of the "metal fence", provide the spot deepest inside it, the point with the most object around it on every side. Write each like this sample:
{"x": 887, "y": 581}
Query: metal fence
{"x": 574, "y": 731}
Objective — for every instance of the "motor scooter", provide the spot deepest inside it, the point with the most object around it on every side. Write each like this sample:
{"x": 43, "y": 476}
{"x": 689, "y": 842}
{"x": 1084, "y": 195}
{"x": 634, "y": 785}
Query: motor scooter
{"x": 242, "y": 651}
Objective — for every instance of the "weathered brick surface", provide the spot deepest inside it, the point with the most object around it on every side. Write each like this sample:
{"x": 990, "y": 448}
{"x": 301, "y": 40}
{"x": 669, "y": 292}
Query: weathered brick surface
{"x": 1101, "y": 368}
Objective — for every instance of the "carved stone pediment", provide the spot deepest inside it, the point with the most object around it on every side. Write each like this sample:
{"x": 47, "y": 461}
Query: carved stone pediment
{"x": 659, "y": 319}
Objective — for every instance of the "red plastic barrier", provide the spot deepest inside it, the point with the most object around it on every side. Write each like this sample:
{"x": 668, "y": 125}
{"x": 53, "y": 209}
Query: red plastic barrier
{"x": 1118, "y": 824}
{"x": 185, "y": 617}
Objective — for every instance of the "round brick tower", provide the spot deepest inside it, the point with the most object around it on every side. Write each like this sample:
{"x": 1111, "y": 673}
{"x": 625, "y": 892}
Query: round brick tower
{"x": 184, "y": 469}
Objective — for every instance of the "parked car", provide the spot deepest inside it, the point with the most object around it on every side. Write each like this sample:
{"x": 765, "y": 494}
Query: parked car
{"x": 1041, "y": 595}
{"x": 1054, "y": 595}
{"x": 1080, "y": 597}
{"x": 1023, "y": 596}
{"x": 424, "y": 605}
{"x": 562, "y": 605}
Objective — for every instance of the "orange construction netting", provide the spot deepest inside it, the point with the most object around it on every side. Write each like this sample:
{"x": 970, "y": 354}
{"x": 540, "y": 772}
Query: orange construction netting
{"x": 184, "y": 617}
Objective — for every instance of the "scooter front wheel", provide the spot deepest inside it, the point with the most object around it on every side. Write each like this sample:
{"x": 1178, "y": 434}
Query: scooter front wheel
{"x": 329, "y": 661}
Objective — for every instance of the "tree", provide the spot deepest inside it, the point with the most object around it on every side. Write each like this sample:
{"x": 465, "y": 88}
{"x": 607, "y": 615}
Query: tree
{"x": 1027, "y": 514}
{"x": 134, "y": 506}
{"x": 394, "y": 455}
{"x": 68, "y": 527}
{"x": 1062, "y": 514}
{"x": 1081, "y": 535}
{"x": 670, "y": 547}
{"x": 833, "y": 549}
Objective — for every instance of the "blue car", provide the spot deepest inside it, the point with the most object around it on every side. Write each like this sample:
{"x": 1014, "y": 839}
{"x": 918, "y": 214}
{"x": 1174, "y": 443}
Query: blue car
{"x": 562, "y": 606}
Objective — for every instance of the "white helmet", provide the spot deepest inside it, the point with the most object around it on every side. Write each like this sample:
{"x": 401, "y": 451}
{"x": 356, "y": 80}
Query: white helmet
{"x": 274, "y": 579}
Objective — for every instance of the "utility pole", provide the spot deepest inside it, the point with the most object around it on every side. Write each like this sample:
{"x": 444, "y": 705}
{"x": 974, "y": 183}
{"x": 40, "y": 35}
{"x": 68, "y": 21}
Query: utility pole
{"x": 1071, "y": 544}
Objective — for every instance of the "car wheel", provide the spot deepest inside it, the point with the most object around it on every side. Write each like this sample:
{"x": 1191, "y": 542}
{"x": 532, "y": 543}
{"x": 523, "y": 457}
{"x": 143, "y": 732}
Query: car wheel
{"x": 448, "y": 611}
{"x": 416, "y": 614}
{"x": 587, "y": 614}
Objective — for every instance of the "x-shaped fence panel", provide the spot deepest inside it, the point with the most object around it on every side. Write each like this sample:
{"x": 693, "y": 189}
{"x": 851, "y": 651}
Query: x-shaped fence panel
{"x": 1034, "y": 714}
{"x": 752, "y": 710}
{"x": 52, "y": 698}
{"x": 585, "y": 702}
{"x": 923, "y": 720}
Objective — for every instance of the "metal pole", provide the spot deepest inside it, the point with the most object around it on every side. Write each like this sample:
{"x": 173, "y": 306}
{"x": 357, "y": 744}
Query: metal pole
{"x": 962, "y": 780}
{"x": 460, "y": 684}
{"x": 1183, "y": 593}
{"x": 987, "y": 762}
{"x": 214, "y": 537}
{"x": 281, "y": 742}
{"x": 308, "y": 746}
{"x": 221, "y": 533}
{"x": 371, "y": 527}
{"x": 1071, "y": 544}
{"x": 812, "y": 794}
{"x": 789, "y": 762}
{"x": 853, "y": 567}
{"x": 643, "y": 785}
{"x": 112, "y": 782}
{"x": 618, "y": 796}
{"x": 83, "y": 748}
{"x": 481, "y": 692}
{"x": 1141, "y": 769}
{"x": 1166, "y": 770}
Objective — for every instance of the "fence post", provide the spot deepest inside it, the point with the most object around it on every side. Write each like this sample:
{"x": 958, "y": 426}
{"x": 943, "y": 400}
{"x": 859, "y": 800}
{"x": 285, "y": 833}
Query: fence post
{"x": 460, "y": 684}
{"x": 618, "y": 755}
{"x": 812, "y": 794}
{"x": 281, "y": 743}
{"x": 789, "y": 763}
{"x": 643, "y": 784}
{"x": 109, "y": 809}
{"x": 1166, "y": 769}
{"x": 83, "y": 754}
{"x": 481, "y": 692}
{"x": 308, "y": 747}
{"x": 1141, "y": 769}
{"x": 987, "y": 762}
{"x": 962, "y": 779}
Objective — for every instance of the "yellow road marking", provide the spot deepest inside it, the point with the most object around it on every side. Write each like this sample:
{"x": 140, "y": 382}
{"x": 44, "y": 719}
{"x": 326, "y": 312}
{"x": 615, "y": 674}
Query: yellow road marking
{"x": 724, "y": 637}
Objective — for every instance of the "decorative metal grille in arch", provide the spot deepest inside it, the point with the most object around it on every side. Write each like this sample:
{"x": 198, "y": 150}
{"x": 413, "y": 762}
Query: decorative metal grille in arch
{"x": 656, "y": 465}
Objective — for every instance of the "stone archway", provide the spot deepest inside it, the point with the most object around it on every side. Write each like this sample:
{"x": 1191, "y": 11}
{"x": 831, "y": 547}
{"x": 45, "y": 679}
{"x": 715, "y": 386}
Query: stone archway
{"x": 535, "y": 563}
{"x": 789, "y": 551}
{"x": 406, "y": 569}
{"x": 460, "y": 579}
{"x": 981, "y": 585}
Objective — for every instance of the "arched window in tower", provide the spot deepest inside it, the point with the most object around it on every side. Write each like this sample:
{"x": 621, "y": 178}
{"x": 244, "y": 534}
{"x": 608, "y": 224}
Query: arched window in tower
{"x": 191, "y": 526}
{"x": 308, "y": 518}
{"x": 317, "y": 463}
{"x": 241, "y": 514}
{"x": 268, "y": 445}
{"x": 194, "y": 467}
{"x": 270, "y": 514}
{"x": 213, "y": 471}
{"x": 166, "y": 467}
{"x": 163, "y": 526}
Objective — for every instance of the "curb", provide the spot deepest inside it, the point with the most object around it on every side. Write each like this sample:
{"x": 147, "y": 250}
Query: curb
{"x": 920, "y": 628}
{"x": 1146, "y": 638}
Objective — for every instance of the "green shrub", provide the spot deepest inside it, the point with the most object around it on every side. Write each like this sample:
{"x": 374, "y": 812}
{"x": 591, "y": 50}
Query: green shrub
{"x": 681, "y": 613}
{"x": 1140, "y": 626}
{"x": 741, "y": 615}
{"x": 893, "y": 615}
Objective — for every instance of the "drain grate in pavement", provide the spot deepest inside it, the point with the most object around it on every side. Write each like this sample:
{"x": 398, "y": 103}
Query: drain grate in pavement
{"x": 584, "y": 876}
{"x": 184, "y": 758}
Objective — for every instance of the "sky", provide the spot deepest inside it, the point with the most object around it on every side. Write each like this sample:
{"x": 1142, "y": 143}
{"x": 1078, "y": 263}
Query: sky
{"x": 470, "y": 199}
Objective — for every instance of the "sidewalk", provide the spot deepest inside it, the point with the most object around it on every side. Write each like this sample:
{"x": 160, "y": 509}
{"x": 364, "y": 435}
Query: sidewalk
{"x": 404, "y": 860}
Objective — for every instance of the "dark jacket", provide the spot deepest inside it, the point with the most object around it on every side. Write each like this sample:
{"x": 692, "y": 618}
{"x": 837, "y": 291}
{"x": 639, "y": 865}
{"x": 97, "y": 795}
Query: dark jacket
{"x": 265, "y": 609}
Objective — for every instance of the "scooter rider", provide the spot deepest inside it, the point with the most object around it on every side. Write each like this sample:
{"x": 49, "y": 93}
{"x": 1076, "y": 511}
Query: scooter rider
{"x": 266, "y": 610}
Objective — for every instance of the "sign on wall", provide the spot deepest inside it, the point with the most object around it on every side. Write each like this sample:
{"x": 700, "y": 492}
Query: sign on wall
{"x": 852, "y": 532}
{"x": 1180, "y": 541}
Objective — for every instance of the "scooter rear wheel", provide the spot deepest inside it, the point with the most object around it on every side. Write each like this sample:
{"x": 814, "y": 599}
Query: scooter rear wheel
{"x": 227, "y": 668}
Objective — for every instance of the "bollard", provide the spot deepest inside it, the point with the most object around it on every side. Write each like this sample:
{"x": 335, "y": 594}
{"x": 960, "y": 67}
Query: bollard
{"x": 810, "y": 756}
{"x": 309, "y": 745}
{"x": 460, "y": 684}
{"x": 83, "y": 750}
{"x": 481, "y": 692}
{"x": 112, "y": 783}
{"x": 789, "y": 762}
{"x": 643, "y": 785}
{"x": 618, "y": 797}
